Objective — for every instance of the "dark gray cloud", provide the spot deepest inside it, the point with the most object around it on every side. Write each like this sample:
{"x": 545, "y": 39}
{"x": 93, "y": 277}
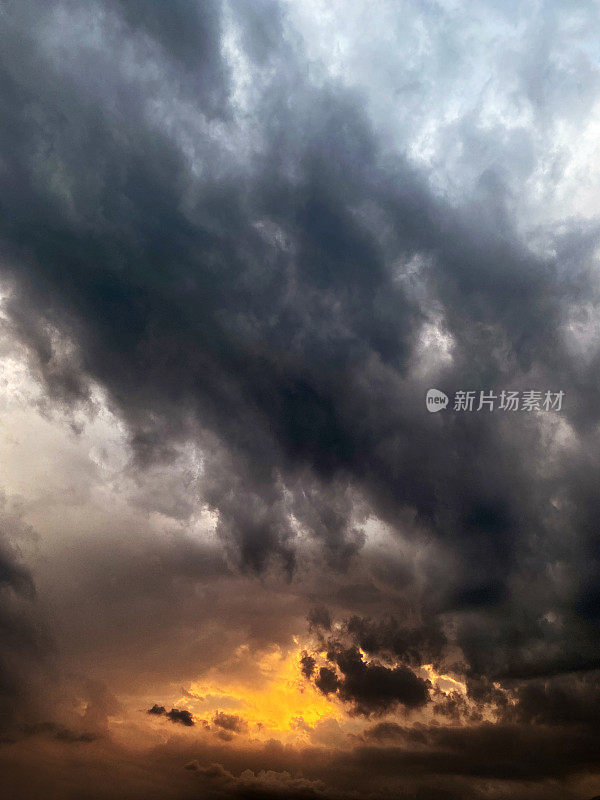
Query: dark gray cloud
{"x": 371, "y": 688}
{"x": 356, "y": 669}
{"x": 180, "y": 715}
{"x": 229, "y": 317}
{"x": 156, "y": 710}
{"x": 239, "y": 255}
{"x": 423, "y": 644}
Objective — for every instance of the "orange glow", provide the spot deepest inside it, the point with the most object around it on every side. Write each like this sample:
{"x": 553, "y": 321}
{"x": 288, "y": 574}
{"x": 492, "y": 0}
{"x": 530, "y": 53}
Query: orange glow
{"x": 273, "y": 698}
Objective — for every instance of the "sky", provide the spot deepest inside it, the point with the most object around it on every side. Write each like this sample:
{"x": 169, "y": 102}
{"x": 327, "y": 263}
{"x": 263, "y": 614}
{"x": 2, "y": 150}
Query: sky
{"x": 242, "y": 557}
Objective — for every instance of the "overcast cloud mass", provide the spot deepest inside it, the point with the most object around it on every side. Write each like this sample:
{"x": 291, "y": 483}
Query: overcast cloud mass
{"x": 239, "y": 241}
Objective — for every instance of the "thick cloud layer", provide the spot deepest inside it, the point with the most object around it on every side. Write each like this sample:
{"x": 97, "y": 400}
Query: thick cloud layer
{"x": 261, "y": 252}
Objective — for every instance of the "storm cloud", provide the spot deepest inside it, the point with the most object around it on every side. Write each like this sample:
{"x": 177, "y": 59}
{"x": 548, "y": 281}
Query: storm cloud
{"x": 238, "y": 244}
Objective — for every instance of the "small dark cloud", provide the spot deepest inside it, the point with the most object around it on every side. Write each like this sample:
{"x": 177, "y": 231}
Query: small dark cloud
{"x": 307, "y": 665}
{"x": 179, "y": 715}
{"x": 327, "y": 681}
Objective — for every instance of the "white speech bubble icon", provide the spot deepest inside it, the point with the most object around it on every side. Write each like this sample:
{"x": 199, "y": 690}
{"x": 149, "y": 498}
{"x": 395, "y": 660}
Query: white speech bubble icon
{"x": 435, "y": 400}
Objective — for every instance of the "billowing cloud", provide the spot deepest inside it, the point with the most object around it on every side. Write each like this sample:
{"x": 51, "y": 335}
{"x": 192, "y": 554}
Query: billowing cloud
{"x": 229, "y": 722}
{"x": 371, "y": 687}
{"x": 239, "y": 242}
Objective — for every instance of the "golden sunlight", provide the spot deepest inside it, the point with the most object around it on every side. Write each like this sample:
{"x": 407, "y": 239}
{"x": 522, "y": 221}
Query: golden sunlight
{"x": 273, "y": 698}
